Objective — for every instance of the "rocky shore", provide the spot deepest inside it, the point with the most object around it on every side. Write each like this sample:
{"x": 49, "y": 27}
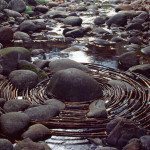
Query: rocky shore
{"x": 32, "y": 29}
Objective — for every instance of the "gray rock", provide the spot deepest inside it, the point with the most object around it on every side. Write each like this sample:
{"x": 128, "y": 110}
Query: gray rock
{"x": 17, "y": 5}
{"x": 143, "y": 69}
{"x": 105, "y": 148}
{"x": 99, "y": 21}
{"x": 55, "y": 103}
{"x": 12, "y": 13}
{"x": 21, "y": 36}
{"x": 5, "y": 144}
{"x": 6, "y": 35}
{"x": 3, "y": 5}
{"x": 73, "y": 21}
{"x": 41, "y": 8}
{"x": 13, "y": 123}
{"x": 42, "y": 113}
{"x": 120, "y": 19}
{"x": 128, "y": 60}
{"x": 134, "y": 144}
{"x": 9, "y": 58}
{"x": 146, "y": 51}
{"x": 31, "y": 2}
{"x": 81, "y": 8}
{"x": 97, "y": 109}
{"x": 28, "y": 144}
{"x": 16, "y": 105}
{"x": 36, "y": 132}
{"x": 73, "y": 85}
{"x": 27, "y": 26}
{"x": 56, "y": 14}
{"x": 62, "y": 64}
{"x": 134, "y": 26}
{"x": 52, "y": 4}
{"x": 145, "y": 141}
{"x": 23, "y": 79}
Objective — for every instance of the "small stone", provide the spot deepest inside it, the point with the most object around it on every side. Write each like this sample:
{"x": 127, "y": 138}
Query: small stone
{"x": 5, "y": 144}
{"x": 146, "y": 51}
{"x": 73, "y": 21}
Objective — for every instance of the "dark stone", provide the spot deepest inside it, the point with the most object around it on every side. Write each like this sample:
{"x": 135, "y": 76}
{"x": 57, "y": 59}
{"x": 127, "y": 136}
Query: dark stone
{"x": 73, "y": 85}
{"x": 2, "y": 102}
{"x": 128, "y": 60}
{"x": 145, "y": 141}
{"x": 135, "y": 40}
{"x": 143, "y": 69}
{"x": 9, "y": 58}
{"x": 134, "y": 144}
{"x": 146, "y": 51}
{"x": 5, "y": 144}
{"x": 28, "y": 144}
{"x": 6, "y": 35}
{"x": 73, "y": 21}
{"x": 13, "y": 123}
{"x": 23, "y": 79}
{"x": 120, "y": 19}
{"x": 12, "y": 13}
{"x": 41, "y": 63}
{"x": 42, "y": 113}
{"x": 21, "y": 36}
{"x": 27, "y": 26}
{"x": 99, "y": 21}
{"x": 62, "y": 64}
{"x": 31, "y": 2}
{"x": 16, "y": 105}
{"x": 52, "y": 4}
{"x": 100, "y": 31}
{"x": 3, "y": 5}
{"x": 17, "y": 5}
{"x": 37, "y": 132}
{"x": 123, "y": 132}
{"x": 56, "y": 103}
{"x": 97, "y": 109}
{"x": 41, "y": 8}
{"x": 81, "y": 8}
{"x": 134, "y": 26}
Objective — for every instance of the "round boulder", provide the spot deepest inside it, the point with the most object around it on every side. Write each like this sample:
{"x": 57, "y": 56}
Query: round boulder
{"x": 73, "y": 21}
{"x": 13, "y": 123}
{"x": 73, "y": 85}
{"x": 99, "y": 20}
{"x": 62, "y": 64}
{"x": 23, "y": 79}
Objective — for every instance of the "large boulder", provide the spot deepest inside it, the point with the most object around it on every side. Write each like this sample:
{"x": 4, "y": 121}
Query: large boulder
{"x": 5, "y": 144}
{"x": 42, "y": 113}
{"x": 23, "y": 79}
{"x": 6, "y": 35}
{"x": 17, "y": 5}
{"x": 13, "y": 123}
{"x": 9, "y": 58}
{"x": 36, "y": 132}
{"x": 12, "y": 13}
{"x": 73, "y": 21}
{"x": 61, "y": 64}
{"x": 73, "y": 85}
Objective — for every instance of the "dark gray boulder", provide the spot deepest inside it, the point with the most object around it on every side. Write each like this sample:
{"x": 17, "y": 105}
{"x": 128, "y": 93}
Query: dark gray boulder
{"x": 97, "y": 109}
{"x": 36, "y": 132}
{"x": 61, "y": 64}
{"x": 120, "y": 19}
{"x": 12, "y": 13}
{"x": 143, "y": 69}
{"x": 99, "y": 21}
{"x": 3, "y": 5}
{"x": 16, "y": 105}
{"x": 127, "y": 60}
{"x": 28, "y": 144}
{"x": 18, "y": 35}
{"x": 23, "y": 79}
{"x": 13, "y": 123}
{"x": 6, "y": 35}
{"x": 73, "y": 21}
{"x": 42, "y": 113}
{"x": 17, "y": 5}
{"x": 73, "y": 85}
{"x": 41, "y": 8}
{"x": 5, "y": 144}
{"x": 27, "y": 26}
{"x": 2, "y": 102}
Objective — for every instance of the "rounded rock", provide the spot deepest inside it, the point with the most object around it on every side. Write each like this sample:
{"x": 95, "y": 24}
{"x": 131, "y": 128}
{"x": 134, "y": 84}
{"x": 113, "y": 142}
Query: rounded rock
{"x": 73, "y": 21}
{"x": 73, "y": 85}
{"x": 5, "y": 144}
